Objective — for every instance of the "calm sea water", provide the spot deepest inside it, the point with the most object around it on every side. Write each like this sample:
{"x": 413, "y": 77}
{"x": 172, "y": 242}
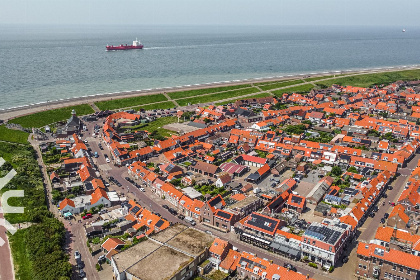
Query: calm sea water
{"x": 46, "y": 63}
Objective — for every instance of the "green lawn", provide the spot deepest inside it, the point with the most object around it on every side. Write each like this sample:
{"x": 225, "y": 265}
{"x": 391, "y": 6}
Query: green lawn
{"x": 367, "y": 80}
{"x": 195, "y": 92}
{"x": 280, "y": 84}
{"x": 296, "y": 89}
{"x": 162, "y": 105}
{"x": 12, "y": 135}
{"x": 51, "y": 116}
{"x": 130, "y": 101}
{"x": 216, "y": 96}
{"x": 264, "y": 94}
{"x": 323, "y": 77}
{"x": 156, "y": 126}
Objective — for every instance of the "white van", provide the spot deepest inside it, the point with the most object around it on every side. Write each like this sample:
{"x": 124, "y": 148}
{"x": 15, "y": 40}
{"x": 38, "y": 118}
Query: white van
{"x": 190, "y": 220}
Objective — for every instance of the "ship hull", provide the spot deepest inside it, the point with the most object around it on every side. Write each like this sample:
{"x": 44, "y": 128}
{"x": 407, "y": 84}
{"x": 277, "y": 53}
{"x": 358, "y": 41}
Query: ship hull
{"x": 123, "y": 48}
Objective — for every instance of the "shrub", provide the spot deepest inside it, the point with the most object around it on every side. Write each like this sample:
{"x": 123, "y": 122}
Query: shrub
{"x": 314, "y": 265}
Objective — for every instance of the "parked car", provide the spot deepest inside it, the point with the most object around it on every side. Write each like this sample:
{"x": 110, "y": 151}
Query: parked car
{"x": 382, "y": 221}
{"x": 142, "y": 189}
{"x": 190, "y": 220}
{"x": 386, "y": 215}
{"x": 82, "y": 273}
{"x": 289, "y": 266}
{"x": 77, "y": 255}
{"x": 87, "y": 216}
{"x": 108, "y": 160}
{"x": 173, "y": 211}
{"x": 101, "y": 259}
{"x": 165, "y": 206}
{"x": 180, "y": 216}
{"x": 372, "y": 214}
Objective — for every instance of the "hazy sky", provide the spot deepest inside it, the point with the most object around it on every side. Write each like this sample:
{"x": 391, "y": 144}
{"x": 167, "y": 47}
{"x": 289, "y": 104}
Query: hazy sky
{"x": 212, "y": 12}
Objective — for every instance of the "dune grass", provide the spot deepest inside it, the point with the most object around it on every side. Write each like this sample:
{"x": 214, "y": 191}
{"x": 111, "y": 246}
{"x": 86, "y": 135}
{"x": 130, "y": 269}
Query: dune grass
{"x": 216, "y": 96}
{"x": 51, "y": 116}
{"x": 195, "y": 92}
{"x": 264, "y": 94}
{"x": 280, "y": 84}
{"x": 368, "y": 80}
{"x": 11, "y": 135}
{"x": 296, "y": 89}
{"x": 162, "y": 105}
{"x": 130, "y": 101}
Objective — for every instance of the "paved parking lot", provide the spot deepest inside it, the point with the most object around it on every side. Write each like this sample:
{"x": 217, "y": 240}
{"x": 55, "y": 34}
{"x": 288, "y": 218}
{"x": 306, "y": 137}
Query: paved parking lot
{"x": 180, "y": 127}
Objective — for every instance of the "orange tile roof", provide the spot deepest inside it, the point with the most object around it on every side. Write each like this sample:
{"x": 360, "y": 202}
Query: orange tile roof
{"x": 238, "y": 196}
{"x": 66, "y": 202}
{"x": 399, "y": 211}
{"x": 391, "y": 255}
{"x": 231, "y": 260}
{"x": 218, "y": 246}
{"x": 111, "y": 243}
{"x": 98, "y": 183}
{"x": 98, "y": 194}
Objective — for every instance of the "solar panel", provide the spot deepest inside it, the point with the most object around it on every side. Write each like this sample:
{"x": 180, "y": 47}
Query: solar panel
{"x": 224, "y": 214}
{"x": 135, "y": 209}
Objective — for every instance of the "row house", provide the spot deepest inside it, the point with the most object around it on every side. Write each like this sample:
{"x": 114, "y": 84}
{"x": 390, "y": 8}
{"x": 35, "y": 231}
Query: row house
{"x": 324, "y": 242}
{"x": 379, "y": 262}
{"x": 258, "y": 229}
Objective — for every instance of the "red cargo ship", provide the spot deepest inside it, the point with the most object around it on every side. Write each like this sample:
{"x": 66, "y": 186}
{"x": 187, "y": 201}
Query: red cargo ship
{"x": 135, "y": 46}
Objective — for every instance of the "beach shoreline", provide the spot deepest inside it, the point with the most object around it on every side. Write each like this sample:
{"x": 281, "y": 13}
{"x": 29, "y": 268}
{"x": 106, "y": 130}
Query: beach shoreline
{"x": 14, "y": 112}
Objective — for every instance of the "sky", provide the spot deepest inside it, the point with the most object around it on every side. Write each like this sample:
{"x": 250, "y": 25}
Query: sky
{"x": 211, "y": 12}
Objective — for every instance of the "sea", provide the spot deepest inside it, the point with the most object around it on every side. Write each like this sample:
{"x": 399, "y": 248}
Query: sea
{"x": 45, "y": 63}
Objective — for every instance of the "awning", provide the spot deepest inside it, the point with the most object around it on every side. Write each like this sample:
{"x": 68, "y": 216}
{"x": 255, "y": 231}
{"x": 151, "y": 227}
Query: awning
{"x": 67, "y": 214}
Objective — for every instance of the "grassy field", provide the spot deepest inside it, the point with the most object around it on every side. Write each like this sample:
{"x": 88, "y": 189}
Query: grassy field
{"x": 163, "y": 105}
{"x": 296, "y": 89}
{"x": 367, "y": 80}
{"x": 51, "y": 116}
{"x": 264, "y": 94}
{"x": 323, "y": 77}
{"x": 280, "y": 84}
{"x": 156, "y": 126}
{"x": 216, "y": 96}
{"x": 11, "y": 135}
{"x": 130, "y": 101}
{"x": 195, "y": 92}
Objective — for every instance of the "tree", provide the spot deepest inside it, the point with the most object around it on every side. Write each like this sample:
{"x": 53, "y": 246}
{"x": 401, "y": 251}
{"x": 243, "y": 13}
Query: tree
{"x": 353, "y": 169}
{"x": 336, "y": 171}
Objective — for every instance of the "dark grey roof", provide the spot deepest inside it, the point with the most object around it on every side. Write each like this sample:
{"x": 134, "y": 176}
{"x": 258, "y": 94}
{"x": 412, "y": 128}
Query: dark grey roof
{"x": 224, "y": 214}
{"x": 159, "y": 223}
{"x": 262, "y": 222}
{"x": 135, "y": 210}
{"x": 323, "y": 233}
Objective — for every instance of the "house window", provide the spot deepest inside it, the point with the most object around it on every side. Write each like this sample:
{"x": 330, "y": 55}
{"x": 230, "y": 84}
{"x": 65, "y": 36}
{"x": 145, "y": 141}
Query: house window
{"x": 408, "y": 271}
{"x": 330, "y": 249}
{"x": 394, "y": 267}
{"x": 313, "y": 242}
{"x": 374, "y": 260}
{"x": 386, "y": 274}
{"x": 364, "y": 267}
{"x": 401, "y": 269}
